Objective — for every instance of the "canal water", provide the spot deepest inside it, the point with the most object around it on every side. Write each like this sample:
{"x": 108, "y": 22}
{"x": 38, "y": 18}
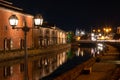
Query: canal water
{"x": 46, "y": 67}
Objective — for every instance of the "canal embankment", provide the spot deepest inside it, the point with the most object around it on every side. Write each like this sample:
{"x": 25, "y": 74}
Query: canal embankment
{"x": 15, "y": 54}
{"x": 76, "y": 71}
{"x": 104, "y": 69}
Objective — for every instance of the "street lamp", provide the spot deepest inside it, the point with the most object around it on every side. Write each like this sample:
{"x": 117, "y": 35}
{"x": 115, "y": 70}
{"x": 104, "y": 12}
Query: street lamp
{"x": 13, "y": 20}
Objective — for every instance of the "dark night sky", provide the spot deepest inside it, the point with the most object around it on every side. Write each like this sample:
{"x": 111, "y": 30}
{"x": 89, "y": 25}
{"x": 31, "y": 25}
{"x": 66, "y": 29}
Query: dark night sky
{"x": 72, "y": 14}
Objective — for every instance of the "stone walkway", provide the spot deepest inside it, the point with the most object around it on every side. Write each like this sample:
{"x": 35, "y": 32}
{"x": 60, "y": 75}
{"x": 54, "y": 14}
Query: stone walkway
{"x": 100, "y": 71}
{"x": 105, "y": 69}
{"x": 108, "y": 68}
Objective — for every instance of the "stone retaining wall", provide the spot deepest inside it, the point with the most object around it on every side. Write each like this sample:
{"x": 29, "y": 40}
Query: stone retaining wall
{"x": 31, "y": 52}
{"x": 75, "y": 72}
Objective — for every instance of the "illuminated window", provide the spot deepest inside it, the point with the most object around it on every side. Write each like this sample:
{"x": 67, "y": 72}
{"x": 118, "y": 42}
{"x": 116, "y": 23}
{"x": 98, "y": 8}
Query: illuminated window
{"x": 9, "y": 44}
{"x": 40, "y": 63}
{"x": 8, "y": 71}
{"x": 21, "y": 43}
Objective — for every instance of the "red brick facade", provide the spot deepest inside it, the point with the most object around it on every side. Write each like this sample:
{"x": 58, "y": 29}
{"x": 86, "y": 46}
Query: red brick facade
{"x": 10, "y": 38}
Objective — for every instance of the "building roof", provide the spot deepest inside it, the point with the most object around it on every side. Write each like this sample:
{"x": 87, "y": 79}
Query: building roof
{"x": 9, "y": 5}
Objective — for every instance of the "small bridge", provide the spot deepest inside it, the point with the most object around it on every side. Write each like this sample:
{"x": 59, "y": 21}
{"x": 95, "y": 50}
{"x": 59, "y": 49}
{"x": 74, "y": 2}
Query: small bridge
{"x": 115, "y": 43}
{"x": 99, "y": 41}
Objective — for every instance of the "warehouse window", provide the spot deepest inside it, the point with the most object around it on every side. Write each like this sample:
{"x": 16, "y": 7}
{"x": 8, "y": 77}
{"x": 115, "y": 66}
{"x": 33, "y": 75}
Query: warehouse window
{"x": 8, "y": 71}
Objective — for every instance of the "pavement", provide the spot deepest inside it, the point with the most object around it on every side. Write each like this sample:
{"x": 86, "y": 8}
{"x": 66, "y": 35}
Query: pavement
{"x": 100, "y": 71}
{"x": 106, "y": 69}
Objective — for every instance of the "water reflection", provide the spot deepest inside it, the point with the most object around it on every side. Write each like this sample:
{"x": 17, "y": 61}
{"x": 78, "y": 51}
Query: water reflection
{"x": 50, "y": 65}
{"x": 82, "y": 51}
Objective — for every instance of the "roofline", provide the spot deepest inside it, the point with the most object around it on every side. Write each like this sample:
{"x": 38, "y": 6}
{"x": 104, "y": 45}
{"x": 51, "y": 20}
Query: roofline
{"x": 10, "y": 6}
{"x": 19, "y": 12}
{"x": 6, "y": 2}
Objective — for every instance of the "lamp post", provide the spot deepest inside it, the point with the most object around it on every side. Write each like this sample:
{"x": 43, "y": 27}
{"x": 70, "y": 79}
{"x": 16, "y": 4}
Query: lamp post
{"x": 13, "y": 20}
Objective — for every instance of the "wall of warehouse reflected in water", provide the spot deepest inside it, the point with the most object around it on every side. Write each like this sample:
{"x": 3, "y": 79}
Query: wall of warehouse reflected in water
{"x": 42, "y": 65}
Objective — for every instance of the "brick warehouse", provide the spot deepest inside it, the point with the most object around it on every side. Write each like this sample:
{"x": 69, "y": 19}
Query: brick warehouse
{"x": 9, "y": 38}
{"x": 13, "y": 39}
{"x": 11, "y": 42}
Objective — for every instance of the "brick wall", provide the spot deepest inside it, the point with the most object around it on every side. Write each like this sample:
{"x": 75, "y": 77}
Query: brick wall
{"x": 6, "y": 31}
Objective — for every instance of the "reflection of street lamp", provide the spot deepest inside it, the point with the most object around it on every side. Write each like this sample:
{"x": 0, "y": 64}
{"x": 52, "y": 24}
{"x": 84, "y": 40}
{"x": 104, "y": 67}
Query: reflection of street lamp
{"x": 13, "y": 20}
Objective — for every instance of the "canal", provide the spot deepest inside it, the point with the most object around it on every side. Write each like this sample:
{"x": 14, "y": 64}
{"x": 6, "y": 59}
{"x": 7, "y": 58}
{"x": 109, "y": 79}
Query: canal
{"x": 48, "y": 66}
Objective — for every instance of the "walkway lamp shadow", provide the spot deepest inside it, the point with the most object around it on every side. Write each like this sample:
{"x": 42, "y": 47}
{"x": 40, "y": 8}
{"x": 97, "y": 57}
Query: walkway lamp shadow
{"x": 38, "y": 21}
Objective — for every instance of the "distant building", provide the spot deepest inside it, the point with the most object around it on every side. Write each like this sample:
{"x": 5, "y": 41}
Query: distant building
{"x": 77, "y": 32}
